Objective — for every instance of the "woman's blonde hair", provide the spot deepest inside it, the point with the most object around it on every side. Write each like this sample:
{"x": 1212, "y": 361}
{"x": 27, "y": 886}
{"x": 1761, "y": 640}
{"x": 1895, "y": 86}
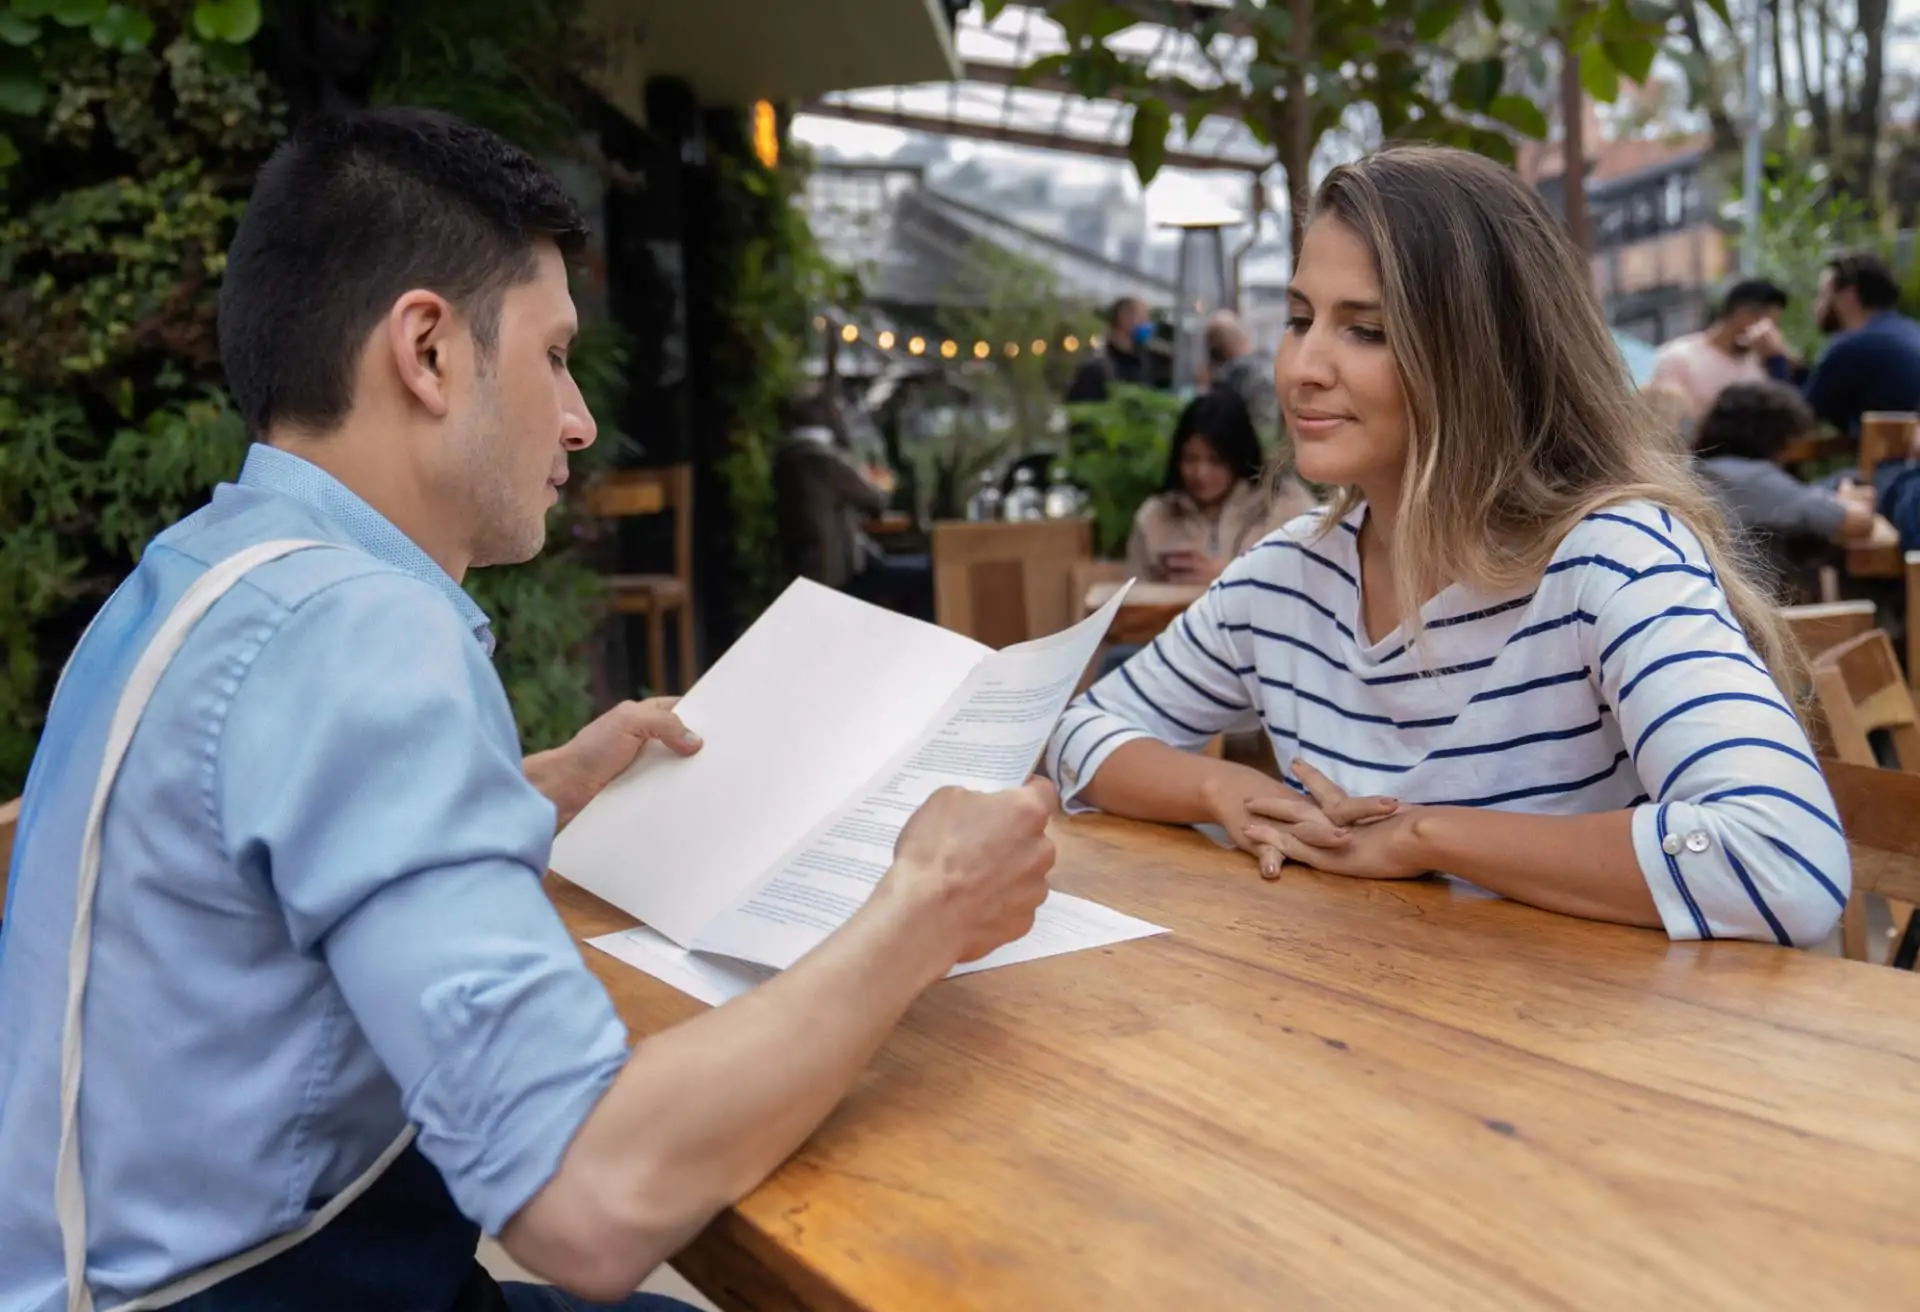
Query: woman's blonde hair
{"x": 1522, "y": 420}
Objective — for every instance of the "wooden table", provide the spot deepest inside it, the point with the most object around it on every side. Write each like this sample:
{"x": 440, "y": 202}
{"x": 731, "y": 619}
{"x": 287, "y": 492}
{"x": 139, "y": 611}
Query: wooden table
{"x": 1328, "y": 1093}
{"x": 1148, "y": 609}
{"x": 888, "y": 523}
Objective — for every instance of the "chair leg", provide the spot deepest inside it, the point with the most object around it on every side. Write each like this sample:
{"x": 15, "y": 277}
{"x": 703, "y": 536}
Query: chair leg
{"x": 1853, "y": 929}
{"x": 1907, "y": 951}
{"x": 683, "y": 616}
{"x": 656, "y": 653}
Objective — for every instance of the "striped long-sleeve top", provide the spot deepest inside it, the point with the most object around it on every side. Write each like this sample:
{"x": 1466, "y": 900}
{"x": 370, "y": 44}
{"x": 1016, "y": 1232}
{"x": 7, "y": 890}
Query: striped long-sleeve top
{"x": 1619, "y": 680}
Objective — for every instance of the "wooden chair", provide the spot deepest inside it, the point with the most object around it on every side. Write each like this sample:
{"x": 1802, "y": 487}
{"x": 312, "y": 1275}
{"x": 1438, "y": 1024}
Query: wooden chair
{"x": 1002, "y": 583}
{"x": 1885, "y": 435}
{"x": 1859, "y": 687}
{"x": 1880, "y": 811}
{"x": 1827, "y": 624}
{"x": 652, "y": 597}
{"x": 9, "y": 822}
{"x": 1912, "y": 568}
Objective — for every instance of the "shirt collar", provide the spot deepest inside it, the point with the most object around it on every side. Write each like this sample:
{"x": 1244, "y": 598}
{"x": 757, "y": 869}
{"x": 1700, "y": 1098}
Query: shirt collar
{"x": 272, "y": 470}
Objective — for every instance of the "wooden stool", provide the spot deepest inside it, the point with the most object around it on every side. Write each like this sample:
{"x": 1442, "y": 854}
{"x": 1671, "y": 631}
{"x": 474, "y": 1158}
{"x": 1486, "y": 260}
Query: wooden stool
{"x": 652, "y": 597}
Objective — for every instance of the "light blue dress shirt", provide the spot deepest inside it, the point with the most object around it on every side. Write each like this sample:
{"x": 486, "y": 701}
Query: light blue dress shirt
{"x": 319, "y": 914}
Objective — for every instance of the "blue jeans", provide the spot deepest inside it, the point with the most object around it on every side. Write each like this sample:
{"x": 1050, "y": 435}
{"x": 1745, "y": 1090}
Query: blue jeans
{"x": 545, "y": 1298}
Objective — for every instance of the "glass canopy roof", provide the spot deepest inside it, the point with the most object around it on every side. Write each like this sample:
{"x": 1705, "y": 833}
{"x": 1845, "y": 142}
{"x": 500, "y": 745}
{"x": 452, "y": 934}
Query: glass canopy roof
{"x": 987, "y": 105}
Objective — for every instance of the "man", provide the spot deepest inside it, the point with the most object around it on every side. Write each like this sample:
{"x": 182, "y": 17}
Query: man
{"x": 1873, "y": 361}
{"x": 1234, "y": 364}
{"x": 318, "y": 917}
{"x": 1123, "y": 356}
{"x": 1697, "y": 366}
{"x": 820, "y": 501}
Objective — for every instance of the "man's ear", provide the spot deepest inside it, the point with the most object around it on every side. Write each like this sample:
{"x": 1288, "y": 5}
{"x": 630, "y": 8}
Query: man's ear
{"x": 420, "y": 331}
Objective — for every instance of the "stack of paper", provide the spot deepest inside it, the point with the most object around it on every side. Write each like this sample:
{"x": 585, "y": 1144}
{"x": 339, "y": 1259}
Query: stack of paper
{"x": 826, "y": 726}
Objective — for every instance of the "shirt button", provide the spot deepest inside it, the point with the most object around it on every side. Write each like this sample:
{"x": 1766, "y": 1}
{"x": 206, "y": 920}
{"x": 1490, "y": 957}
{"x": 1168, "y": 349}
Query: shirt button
{"x": 1697, "y": 841}
{"x": 1671, "y": 845}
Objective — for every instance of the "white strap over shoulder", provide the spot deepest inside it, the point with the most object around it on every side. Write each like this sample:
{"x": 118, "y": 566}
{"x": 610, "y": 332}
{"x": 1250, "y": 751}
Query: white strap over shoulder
{"x": 69, "y": 1191}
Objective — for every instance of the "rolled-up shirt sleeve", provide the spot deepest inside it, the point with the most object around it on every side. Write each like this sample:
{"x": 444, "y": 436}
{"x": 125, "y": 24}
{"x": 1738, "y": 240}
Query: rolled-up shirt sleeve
{"x": 369, "y": 771}
{"x": 1739, "y": 836}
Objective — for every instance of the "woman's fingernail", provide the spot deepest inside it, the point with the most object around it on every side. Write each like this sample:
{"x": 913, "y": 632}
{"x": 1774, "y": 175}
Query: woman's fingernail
{"x": 1269, "y": 867}
{"x": 693, "y": 738}
{"x": 1340, "y": 833}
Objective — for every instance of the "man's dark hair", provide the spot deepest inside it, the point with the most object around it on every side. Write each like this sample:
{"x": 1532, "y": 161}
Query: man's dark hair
{"x": 1868, "y": 275}
{"x": 349, "y": 214}
{"x": 1753, "y": 421}
{"x": 1119, "y": 307}
{"x": 1753, "y": 293}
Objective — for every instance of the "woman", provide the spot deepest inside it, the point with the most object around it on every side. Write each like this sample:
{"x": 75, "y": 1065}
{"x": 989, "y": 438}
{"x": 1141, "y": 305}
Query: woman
{"x": 1214, "y": 504}
{"x": 1516, "y": 647}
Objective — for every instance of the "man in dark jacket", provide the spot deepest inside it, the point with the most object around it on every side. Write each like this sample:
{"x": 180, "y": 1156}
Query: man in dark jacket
{"x": 1122, "y": 358}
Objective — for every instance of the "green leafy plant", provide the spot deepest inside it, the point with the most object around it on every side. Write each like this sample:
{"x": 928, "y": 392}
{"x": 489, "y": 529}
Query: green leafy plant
{"x": 1120, "y": 456}
{"x": 129, "y": 140}
{"x": 769, "y": 276}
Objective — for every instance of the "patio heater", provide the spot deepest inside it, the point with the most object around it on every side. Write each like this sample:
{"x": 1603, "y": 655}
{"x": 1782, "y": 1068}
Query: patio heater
{"x": 1200, "y": 287}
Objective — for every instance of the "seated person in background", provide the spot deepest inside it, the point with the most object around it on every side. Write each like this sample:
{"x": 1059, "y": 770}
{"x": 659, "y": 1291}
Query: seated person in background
{"x": 1233, "y": 365}
{"x": 1215, "y": 503}
{"x": 820, "y": 501}
{"x": 1698, "y": 365}
{"x": 1516, "y": 647}
{"x": 1738, "y": 445}
{"x": 1873, "y": 361}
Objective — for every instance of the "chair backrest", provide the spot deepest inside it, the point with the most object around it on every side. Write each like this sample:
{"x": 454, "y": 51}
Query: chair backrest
{"x": 1827, "y": 624}
{"x": 624, "y": 493}
{"x": 1860, "y": 689}
{"x": 1002, "y": 583}
{"x": 1885, "y": 435}
{"x": 1880, "y": 810}
{"x": 1912, "y": 560}
{"x": 9, "y": 822}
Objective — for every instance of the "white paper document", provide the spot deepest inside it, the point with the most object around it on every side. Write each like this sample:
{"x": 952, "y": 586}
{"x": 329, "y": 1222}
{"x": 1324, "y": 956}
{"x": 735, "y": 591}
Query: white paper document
{"x": 826, "y": 726}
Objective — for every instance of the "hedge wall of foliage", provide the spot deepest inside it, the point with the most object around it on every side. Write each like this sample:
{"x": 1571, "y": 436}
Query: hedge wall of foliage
{"x": 129, "y": 136}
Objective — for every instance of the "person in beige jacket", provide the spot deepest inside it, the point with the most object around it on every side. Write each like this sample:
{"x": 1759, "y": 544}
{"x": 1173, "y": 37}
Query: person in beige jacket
{"x": 1216, "y": 502}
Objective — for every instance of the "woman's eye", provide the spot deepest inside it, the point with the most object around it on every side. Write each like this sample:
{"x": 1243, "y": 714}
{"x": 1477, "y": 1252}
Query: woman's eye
{"x": 1369, "y": 334}
{"x": 1299, "y": 323}
{"x": 558, "y": 359}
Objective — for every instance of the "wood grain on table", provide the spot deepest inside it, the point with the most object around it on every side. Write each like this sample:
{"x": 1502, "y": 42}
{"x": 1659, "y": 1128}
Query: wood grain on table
{"x": 1330, "y": 1093}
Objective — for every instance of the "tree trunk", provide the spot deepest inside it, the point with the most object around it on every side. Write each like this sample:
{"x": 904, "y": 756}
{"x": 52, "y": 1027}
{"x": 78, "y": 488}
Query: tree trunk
{"x": 1864, "y": 129}
{"x": 1813, "y": 81}
{"x": 1573, "y": 144}
{"x": 1296, "y": 137}
{"x": 1726, "y": 138}
{"x": 1781, "y": 117}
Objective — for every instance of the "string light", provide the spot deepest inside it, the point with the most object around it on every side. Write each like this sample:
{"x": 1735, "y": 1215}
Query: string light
{"x": 949, "y": 349}
{"x": 1013, "y": 349}
{"x": 1071, "y": 343}
{"x": 981, "y": 350}
{"x": 1094, "y": 341}
{"x": 850, "y": 334}
{"x": 917, "y": 346}
{"x": 886, "y": 340}
{"x": 819, "y": 322}
{"x": 1039, "y": 346}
